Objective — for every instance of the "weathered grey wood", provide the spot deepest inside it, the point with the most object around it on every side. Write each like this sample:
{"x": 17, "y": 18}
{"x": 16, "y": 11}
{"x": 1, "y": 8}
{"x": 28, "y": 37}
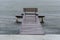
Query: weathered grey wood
{"x": 41, "y": 18}
{"x": 30, "y": 26}
{"x": 30, "y": 9}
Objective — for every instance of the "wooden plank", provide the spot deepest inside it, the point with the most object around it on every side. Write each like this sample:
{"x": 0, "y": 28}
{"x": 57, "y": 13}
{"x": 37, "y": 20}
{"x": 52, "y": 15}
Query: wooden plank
{"x": 30, "y": 27}
{"x": 30, "y": 9}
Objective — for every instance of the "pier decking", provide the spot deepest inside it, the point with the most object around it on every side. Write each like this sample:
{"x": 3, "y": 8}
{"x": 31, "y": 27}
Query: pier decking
{"x": 31, "y": 25}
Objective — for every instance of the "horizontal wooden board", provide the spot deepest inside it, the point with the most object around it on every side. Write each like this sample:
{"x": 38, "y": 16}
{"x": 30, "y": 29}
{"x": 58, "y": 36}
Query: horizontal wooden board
{"x": 30, "y": 9}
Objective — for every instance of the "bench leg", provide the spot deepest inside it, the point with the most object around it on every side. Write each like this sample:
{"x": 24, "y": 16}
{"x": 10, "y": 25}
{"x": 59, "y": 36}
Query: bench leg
{"x": 16, "y": 19}
{"x": 42, "y": 20}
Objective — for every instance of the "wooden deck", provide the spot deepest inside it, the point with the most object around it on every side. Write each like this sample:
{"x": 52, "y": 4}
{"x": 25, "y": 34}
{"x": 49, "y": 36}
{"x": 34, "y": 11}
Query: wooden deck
{"x": 31, "y": 26}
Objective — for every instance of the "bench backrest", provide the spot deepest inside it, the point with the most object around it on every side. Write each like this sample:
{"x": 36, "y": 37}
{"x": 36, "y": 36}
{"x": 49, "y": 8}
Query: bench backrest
{"x": 30, "y": 9}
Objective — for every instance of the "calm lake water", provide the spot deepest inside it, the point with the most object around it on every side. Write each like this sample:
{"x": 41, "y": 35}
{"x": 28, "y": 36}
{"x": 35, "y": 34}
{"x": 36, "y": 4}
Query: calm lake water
{"x": 10, "y": 8}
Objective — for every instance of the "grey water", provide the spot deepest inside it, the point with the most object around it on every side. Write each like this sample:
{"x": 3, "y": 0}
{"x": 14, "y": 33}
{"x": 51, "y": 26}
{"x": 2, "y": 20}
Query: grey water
{"x": 48, "y": 8}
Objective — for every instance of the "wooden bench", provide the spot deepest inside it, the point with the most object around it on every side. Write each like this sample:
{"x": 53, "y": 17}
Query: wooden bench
{"x": 42, "y": 21}
{"x": 18, "y": 17}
